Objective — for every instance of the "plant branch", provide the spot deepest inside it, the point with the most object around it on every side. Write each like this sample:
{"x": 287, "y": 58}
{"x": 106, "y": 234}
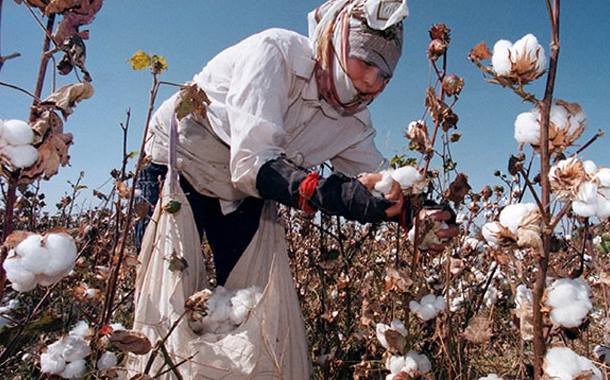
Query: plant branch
{"x": 14, "y": 87}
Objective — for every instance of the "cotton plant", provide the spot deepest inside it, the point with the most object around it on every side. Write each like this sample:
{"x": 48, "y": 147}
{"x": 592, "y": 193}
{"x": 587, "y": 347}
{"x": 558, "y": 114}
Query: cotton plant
{"x": 524, "y": 300}
{"x": 567, "y": 123}
{"x": 66, "y": 357}
{"x": 428, "y": 307}
{"x": 16, "y": 138}
{"x": 519, "y": 224}
{"x": 569, "y": 301}
{"x": 522, "y": 61}
{"x": 562, "y": 363}
{"x": 411, "y": 364}
{"x": 40, "y": 260}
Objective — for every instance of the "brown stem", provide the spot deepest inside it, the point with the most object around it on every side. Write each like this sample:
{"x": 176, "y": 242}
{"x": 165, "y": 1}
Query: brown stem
{"x": 599, "y": 134}
{"x": 529, "y": 185}
{"x": 44, "y": 59}
{"x": 112, "y": 283}
{"x": 539, "y": 342}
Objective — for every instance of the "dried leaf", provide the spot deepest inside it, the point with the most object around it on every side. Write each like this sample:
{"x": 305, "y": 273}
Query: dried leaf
{"x": 478, "y": 330}
{"x": 130, "y": 341}
{"x": 141, "y": 209}
{"x": 458, "y": 189}
{"x": 441, "y": 32}
{"x": 177, "y": 263}
{"x": 193, "y": 100}
{"x": 395, "y": 280}
{"x": 452, "y": 85}
{"x": 68, "y": 96}
{"x": 52, "y": 153}
{"x": 122, "y": 189}
{"x": 480, "y": 52}
{"x": 60, "y": 6}
{"x": 396, "y": 341}
{"x": 73, "y": 19}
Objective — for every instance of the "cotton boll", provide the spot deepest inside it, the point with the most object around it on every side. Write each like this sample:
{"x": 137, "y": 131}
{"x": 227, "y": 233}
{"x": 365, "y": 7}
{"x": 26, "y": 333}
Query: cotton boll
{"x": 590, "y": 167}
{"x": 585, "y": 203}
{"x": 399, "y": 327}
{"x": 52, "y": 363}
{"x": 491, "y": 376}
{"x": 395, "y": 363}
{"x": 409, "y": 178}
{"x": 512, "y": 216}
{"x": 384, "y": 186}
{"x": 491, "y": 296}
{"x": 423, "y": 364}
{"x": 238, "y": 314}
{"x": 22, "y": 279}
{"x": 17, "y": 132}
{"x": 34, "y": 256}
{"x": 21, "y": 156}
{"x": 62, "y": 251}
{"x": 564, "y": 364}
{"x": 44, "y": 280}
{"x": 603, "y": 177}
{"x": 490, "y": 232}
{"x": 106, "y": 361}
{"x": 527, "y": 129}
{"x": 603, "y": 203}
{"x": 74, "y": 370}
{"x": 570, "y": 302}
{"x": 76, "y": 348}
{"x": 380, "y": 330}
{"x": 529, "y": 49}
{"x": 81, "y": 329}
{"x": 500, "y": 60}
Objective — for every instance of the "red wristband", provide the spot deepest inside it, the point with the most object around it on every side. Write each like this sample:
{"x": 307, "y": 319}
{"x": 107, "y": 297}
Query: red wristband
{"x": 306, "y": 190}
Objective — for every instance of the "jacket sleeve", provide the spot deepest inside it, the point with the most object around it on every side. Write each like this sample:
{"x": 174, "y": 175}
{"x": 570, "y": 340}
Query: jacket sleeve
{"x": 362, "y": 157}
{"x": 280, "y": 180}
{"x": 257, "y": 100}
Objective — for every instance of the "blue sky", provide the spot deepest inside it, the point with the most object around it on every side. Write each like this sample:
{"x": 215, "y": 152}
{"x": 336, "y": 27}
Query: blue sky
{"x": 189, "y": 33}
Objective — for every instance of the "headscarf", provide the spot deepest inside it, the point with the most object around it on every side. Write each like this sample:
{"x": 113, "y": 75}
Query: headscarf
{"x": 370, "y": 30}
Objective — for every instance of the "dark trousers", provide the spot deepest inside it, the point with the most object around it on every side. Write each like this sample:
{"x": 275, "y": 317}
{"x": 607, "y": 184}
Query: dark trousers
{"x": 228, "y": 235}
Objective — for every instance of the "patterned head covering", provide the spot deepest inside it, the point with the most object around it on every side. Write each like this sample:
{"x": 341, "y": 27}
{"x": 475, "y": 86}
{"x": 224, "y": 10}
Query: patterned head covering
{"x": 370, "y": 30}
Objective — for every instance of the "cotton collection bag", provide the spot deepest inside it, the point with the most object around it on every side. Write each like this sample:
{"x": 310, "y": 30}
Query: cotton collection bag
{"x": 270, "y": 344}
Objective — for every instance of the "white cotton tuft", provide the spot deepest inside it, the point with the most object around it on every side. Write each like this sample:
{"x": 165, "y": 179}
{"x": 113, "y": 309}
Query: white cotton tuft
{"x": 22, "y": 279}
{"x": 500, "y": 60}
{"x": 585, "y": 203}
{"x": 228, "y": 309}
{"x": 117, "y": 326}
{"x": 399, "y": 326}
{"x": 411, "y": 364}
{"x": 491, "y": 376}
{"x": 21, "y": 156}
{"x": 106, "y": 361}
{"x": 490, "y": 232}
{"x": 513, "y": 216}
{"x": 569, "y": 300}
{"x": 380, "y": 330}
{"x": 52, "y": 363}
{"x": 17, "y": 132}
{"x": 590, "y": 167}
{"x": 34, "y": 256}
{"x": 527, "y": 128}
{"x": 384, "y": 186}
{"x": 562, "y": 363}
{"x": 603, "y": 177}
{"x": 491, "y": 296}
{"x": 409, "y": 178}
{"x": 81, "y": 329}
{"x": 527, "y": 47}
{"x": 423, "y": 364}
{"x": 62, "y": 251}
{"x": 76, "y": 348}
{"x": 395, "y": 364}
{"x": 428, "y": 307}
{"x": 74, "y": 370}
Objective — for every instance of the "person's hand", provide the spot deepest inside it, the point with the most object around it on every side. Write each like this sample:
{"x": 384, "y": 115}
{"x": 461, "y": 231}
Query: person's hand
{"x": 436, "y": 238}
{"x": 395, "y": 195}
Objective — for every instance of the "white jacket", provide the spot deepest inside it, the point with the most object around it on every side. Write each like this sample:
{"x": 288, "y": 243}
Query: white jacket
{"x": 264, "y": 102}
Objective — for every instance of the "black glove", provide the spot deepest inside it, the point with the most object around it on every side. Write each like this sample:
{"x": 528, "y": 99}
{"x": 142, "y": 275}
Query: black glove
{"x": 280, "y": 180}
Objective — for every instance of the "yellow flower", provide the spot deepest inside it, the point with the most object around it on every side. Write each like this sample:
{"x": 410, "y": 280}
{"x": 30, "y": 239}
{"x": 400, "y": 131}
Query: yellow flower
{"x": 140, "y": 60}
{"x": 159, "y": 64}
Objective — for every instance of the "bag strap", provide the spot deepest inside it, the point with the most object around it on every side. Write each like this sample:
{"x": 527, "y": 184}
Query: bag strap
{"x": 172, "y": 172}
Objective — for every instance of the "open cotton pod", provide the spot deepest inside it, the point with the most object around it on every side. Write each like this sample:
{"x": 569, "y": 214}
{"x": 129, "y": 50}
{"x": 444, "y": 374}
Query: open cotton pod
{"x": 522, "y": 62}
{"x": 567, "y": 123}
{"x": 568, "y": 301}
{"x": 427, "y": 230}
{"x": 562, "y": 363}
{"x": 519, "y": 224}
{"x": 566, "y": 176}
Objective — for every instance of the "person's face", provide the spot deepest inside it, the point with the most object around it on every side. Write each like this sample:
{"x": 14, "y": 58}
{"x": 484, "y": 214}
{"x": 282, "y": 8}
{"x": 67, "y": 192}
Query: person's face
{"x": 368, "y": 79}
